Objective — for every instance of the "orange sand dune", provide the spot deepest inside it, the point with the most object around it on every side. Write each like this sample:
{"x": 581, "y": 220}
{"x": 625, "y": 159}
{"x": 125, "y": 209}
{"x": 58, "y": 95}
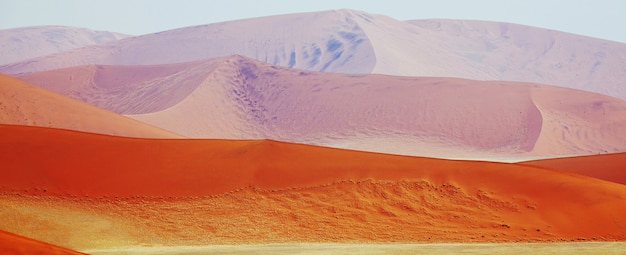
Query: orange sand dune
{"x": 13, "y": 244}
{"x": 610, "y": 167}
{"x": 24, "y": 104}
{"x": 219, "y": 191}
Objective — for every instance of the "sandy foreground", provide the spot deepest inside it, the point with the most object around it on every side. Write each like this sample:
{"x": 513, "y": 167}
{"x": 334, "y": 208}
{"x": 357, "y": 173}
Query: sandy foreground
{"x": 335, "y": 248}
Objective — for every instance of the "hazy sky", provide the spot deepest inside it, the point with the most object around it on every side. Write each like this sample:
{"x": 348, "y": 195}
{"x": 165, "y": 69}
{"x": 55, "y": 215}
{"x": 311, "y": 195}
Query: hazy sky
{"x": 598, "y": 18}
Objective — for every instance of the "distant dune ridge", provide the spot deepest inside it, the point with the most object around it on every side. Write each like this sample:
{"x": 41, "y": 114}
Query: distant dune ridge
{"x": 22, "y": 103}
{"x": 240, "y": 98}
{"x": 19, "y": 44}
{"x": 187, "y": 192}
{"x": 348, "y": 41}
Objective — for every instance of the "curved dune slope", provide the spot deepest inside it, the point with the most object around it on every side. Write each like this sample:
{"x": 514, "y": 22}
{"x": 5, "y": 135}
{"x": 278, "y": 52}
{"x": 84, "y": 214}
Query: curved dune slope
{"x": 218, "y": 191}
{"x": 127, "y": 89}
{"x": 240, "y": 98}
{"x": 347, "y": 41}
{"x": 22, "y": 103}
{"x": 19, "y": 44}
{"x": 606, "y": 167}
{"x": 323, "y": 41}
{"x": 14, "y": 244}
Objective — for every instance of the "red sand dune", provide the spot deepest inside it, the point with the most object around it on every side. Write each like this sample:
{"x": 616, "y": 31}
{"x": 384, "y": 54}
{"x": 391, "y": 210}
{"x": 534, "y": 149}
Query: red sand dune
{"x": 220, "y": 191}
{"x": 239, "y": 98}
{"x": 22, "y": 103}
{"x": 606, "y": 167}
{"x": 12, "y": 244}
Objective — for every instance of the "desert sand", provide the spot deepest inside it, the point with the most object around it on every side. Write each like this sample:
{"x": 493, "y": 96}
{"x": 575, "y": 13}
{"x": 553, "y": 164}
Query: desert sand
{"x": 11, "y": 244}
{"x": 605, "y": 167}
{"x": 240, "y": 98}
{"x": 305, "y": 138}
{"x": 82, "y": 185}
{"x": 22, "y": 103}
{"x": 20, "y": 44}
{"x": 127, "y": 89}
{"x": 586, "y": 248}
{"x": 348, "y": 41}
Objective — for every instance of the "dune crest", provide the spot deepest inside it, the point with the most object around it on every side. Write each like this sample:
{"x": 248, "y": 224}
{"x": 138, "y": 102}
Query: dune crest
{"x": 240, "y": 98}
{"x": 606, "y": 167}
{"x": 127, "y": 89}
{"x": 251, "y": 186}
{"x": 22, "y": 103}
{"x": 13, "y": 244}
{"x": 348, "y": 41}
{"x": 20, "y": 44}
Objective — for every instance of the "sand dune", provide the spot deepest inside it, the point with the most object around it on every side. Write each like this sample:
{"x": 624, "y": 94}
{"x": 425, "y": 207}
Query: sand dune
{"x": 320, "y": 41}
{"x": 22, "y": 103}
{"x": 347, "y": 41}
{"x": 573, "y": 248}
{"x": 513, "y": 52}
{"x": 19, "y": 44}
{"x": 127, "y": 89}
{"x": 133, "y": 191}
{"x": 14, "y": 244}
{"x": 240, "y": 98}
{"x": 605, "y": 167}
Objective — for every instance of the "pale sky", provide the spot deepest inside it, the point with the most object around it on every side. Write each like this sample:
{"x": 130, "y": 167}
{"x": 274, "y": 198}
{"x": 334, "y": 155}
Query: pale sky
{"x": 598, "y": 18}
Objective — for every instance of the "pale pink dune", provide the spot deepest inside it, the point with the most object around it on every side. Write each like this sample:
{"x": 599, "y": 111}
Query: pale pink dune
{"x": 127, "y": 89}
{"x": 22, "y": 103}
{"x": 347, "y": 41}
{"x": 582, "y": 122}
{"x": 324, "y": 41}
{"x": 523, "y": 53}
{"x": 239, "y": 98}
{"x": 19, "y": 44}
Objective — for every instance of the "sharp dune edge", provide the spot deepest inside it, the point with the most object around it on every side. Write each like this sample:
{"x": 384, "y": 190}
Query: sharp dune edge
{"x": 260, "y": 191}
{"x": 605, "y": 167}
{"x": 22, "y": 103}
{"x": 240, "y": 98}
{"x": 14, "y": 244}
{"x": 348, "y": 41}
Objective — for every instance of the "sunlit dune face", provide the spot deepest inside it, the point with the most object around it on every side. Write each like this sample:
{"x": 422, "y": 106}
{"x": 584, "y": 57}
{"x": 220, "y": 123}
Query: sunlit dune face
{"x": 189, "y": 191}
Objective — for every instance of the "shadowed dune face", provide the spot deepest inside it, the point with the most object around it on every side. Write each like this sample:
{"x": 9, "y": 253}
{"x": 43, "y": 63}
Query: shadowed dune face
{"x": 22, "y": 103}
{"x": 14, "y": 244}
{"x": 347, "y": 41}
{"x": 239, "y": 98}
{"x": 192, "y": 191}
